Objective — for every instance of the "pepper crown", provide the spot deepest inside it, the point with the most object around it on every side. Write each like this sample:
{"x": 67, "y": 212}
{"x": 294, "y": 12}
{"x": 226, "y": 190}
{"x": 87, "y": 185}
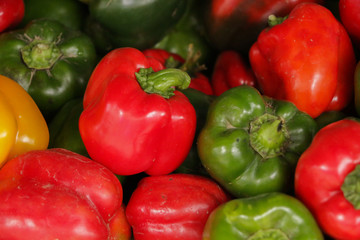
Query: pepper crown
{"x": 40, "y": 54}
{"x": 162, "y": 82}
{"x": 273, "y": 20}
{"x": 351, "y": 187}
{"x": 268, "y": 135}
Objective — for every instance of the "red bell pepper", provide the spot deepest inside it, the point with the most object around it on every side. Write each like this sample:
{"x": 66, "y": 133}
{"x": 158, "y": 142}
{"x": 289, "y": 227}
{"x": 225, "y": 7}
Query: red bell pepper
{"x": 11, "y": 13}
{"x": 201, "y": 82}
{"x": 235, "y": 24}
{"x": 58, "y": 194}
{"x": 349, "y": 11}
{"x": 167, "y": 58}
{"x": 134, "y": 120}
{"x": 307, "y": 59}
{"x": 327, "y": 179}
{"x": 198, "y": 80}
{"x": 174, "y": 206}
{"x": 230, "y": 70}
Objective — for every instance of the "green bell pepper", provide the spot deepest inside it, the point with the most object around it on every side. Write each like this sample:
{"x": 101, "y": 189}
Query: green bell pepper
{"x": 138, "y": 24}
{"x": 51, "y": 62}
{"x": 188, "y": 38}
{"x": 71, "y": 13}
{"x": 251, "y": 143}
{"x": 270, "y": 216}
{"x": 64, "y": 128}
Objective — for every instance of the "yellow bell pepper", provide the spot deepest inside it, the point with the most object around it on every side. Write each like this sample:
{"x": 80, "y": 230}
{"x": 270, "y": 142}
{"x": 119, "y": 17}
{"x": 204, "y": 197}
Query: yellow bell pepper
{"x": 22, "y": 125}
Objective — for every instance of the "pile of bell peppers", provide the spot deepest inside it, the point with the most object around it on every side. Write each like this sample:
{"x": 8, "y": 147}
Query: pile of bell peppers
{"x": 180, "y": 119}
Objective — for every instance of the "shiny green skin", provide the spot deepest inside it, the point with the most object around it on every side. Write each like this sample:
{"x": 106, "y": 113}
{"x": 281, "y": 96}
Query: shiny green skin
{"x": 65, "y": 79}
{"x": 134, "y": 23}
{"x": 189, "y": 31}
{"x": 201, "y": 103}
{"x": 64, "y": 128}
{"x": 240, "y": 218}
{"x": 71, "y": 13}
{"x": 224, "y": 143}
{"x": 179, "y": 41}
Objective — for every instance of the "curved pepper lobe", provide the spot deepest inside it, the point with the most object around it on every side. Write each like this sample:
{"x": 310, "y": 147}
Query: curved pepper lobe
{"x": 130, "y": 130}
{"x": 293, "y": 61}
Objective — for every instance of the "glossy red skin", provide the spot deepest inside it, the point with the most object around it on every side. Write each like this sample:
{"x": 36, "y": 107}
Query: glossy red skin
{"x": 230, "y": 70}
{"x": 199, "y": 81}
{"x": 320, "y": 172}
{"x": 173, "y": 207}
{"x": 235, "y": 24}
{"x": 257, "y": 10}
{"x": 128, "y": 130}
{"x": 162, "y": 55}
{"x": 11, "y": 13}
{"x": 308, "y": 59}
{"x": 349, "y": 11}
{"x": 58, "y": 194}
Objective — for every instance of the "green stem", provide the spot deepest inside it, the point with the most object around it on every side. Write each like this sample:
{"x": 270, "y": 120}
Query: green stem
{"x": 351, "y": 187}
{"x": 268, "y": 135}
{"x": 162, "y": 82}
{"x": 273, "y": 20}
{"x": 191, "y": 64}
{"x": 269, "y": 234}
{"x": 40, "y": 54}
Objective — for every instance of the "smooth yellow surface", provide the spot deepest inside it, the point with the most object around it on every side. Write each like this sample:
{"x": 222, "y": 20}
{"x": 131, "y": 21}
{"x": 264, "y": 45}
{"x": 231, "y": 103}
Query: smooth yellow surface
{"x": 22, "y": 126}
{"x": 8, "y": 128}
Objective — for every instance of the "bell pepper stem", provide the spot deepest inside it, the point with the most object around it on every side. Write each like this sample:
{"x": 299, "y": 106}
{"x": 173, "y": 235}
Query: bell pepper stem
{"x": 268, "y": 135}
{"x": 273, "y": 20}
{"x": 191, "y": 65}
{"x": 40, "y": 54}
{"x": 164, "y": 81}
{"x": 351, "y": 187}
